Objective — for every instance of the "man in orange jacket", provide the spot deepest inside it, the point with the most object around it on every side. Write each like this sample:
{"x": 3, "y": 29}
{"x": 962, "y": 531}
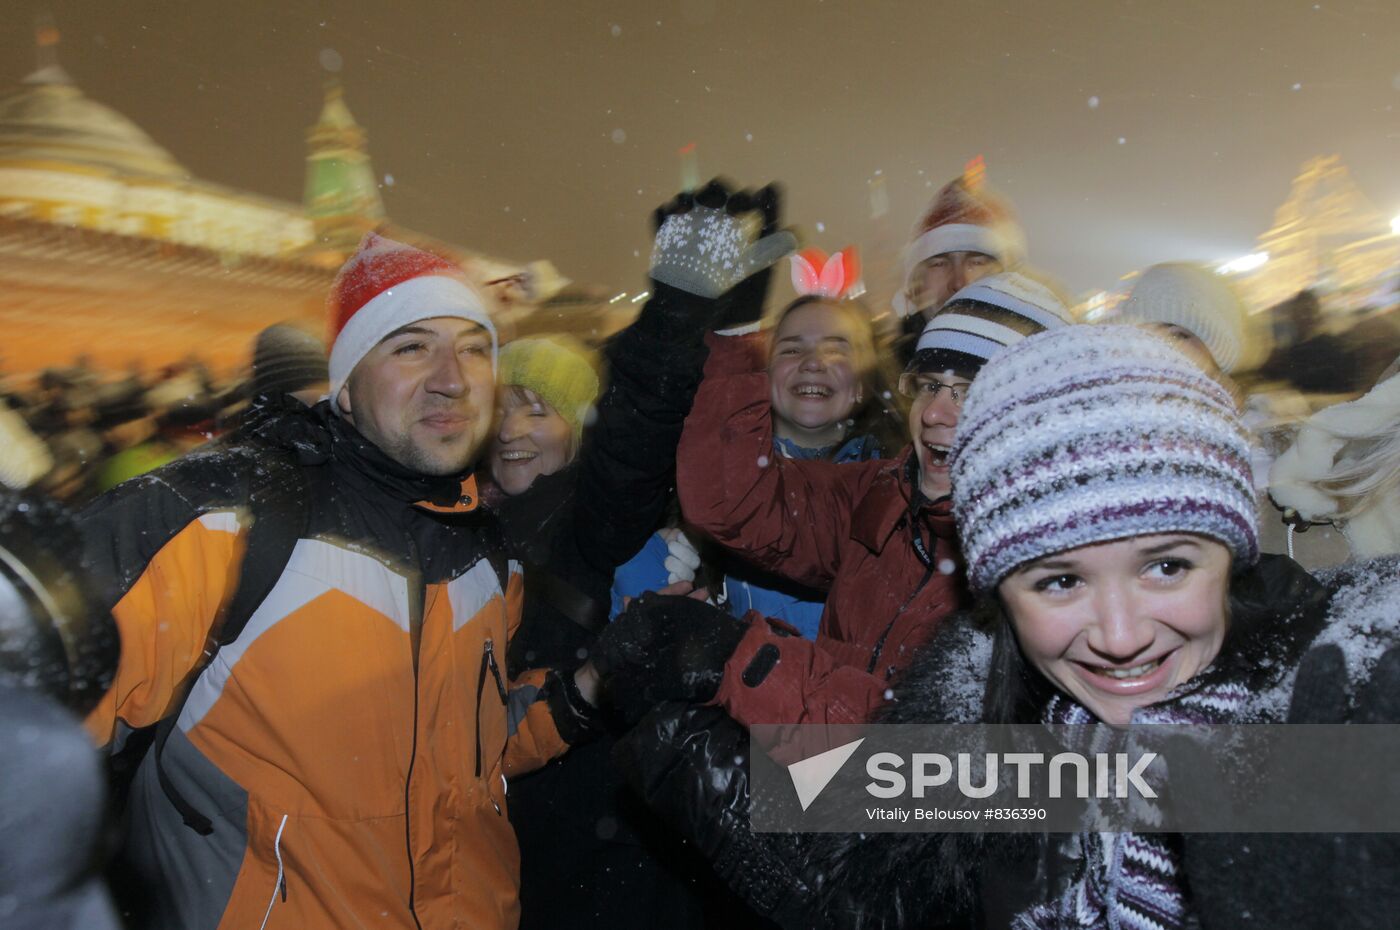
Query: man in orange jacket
{"x": 343, "y": 761}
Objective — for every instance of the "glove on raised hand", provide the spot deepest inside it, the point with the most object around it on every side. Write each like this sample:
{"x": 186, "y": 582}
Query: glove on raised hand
{"x": 664, "y": 649}
{"x": 706, "y": 245}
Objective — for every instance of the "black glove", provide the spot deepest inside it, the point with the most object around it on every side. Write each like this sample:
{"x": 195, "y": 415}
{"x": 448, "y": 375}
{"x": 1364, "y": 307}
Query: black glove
{"x": 664, "y": 649}
{"x": 743, "y": 303}
{"x": 706, "y": 245}
{"x": 577, "y": 720}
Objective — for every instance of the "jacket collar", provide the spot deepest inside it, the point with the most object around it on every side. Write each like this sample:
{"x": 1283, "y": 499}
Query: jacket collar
{"x": 893, "y": 500}
{"x": 318, "y": 436}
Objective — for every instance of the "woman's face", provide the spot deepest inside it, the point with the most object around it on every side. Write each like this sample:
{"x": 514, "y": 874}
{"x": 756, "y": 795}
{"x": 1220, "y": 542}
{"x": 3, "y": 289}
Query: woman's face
{"x": 1117, "y": 625}
{"x": 531, "y": 439}
{"x": 815, "y": 367}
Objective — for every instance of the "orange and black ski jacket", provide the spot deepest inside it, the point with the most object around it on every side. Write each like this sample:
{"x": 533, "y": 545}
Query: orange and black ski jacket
{"x": 352, "y": 745}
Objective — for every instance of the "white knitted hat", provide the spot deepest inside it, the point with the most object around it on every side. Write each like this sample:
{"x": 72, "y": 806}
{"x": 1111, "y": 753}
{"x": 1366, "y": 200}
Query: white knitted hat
{"x": 1194, "y": 298}
{"x": 1088, "y": 434}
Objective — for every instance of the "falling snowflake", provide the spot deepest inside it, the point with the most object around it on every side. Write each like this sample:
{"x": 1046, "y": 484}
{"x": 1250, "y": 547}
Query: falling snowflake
{"x": 748, "y": 137}
{"x": 616, "y": 30}
{"x": 763, "y": 461}
{"x": 1122, "y": 140}
{"x": 388, "y": 180}
{"x": 821, "y": 227}
{"x": 331, "y": 60}
{"x": 619, "y": 136}
{"x": 1093, "y": 103}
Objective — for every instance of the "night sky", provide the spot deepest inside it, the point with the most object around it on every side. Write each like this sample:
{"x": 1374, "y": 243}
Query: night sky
{"x": 1125, "y": 132}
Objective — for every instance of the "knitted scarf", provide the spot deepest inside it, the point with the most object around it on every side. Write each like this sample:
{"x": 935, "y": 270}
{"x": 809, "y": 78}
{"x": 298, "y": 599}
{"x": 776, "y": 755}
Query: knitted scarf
{"x": 1131, "y": 880}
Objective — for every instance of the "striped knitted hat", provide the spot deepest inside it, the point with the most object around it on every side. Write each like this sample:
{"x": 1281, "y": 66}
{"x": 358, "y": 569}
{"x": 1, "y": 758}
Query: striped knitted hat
{"x": 1089, "y": 434}
{"x": 984, "y": 318}
{"x": 1194, "y": 298}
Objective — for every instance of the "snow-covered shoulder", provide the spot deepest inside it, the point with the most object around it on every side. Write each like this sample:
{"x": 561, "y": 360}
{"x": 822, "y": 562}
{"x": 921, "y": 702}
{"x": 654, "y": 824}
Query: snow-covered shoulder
{"x": 1364, "y": 614}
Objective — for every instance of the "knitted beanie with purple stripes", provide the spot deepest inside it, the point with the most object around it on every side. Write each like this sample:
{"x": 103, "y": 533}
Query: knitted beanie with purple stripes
{"x": 1088, "y": 434}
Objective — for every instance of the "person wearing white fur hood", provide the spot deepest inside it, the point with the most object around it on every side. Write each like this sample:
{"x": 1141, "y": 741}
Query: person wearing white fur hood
{"x": 1344, "y": 468}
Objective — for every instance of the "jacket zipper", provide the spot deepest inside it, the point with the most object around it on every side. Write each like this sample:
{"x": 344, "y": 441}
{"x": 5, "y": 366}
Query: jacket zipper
{"x": 415, "y": 637}
{"x": 488, "y": 663}
{"x": 280, "y": 888}
{"x": 928, "y": 573}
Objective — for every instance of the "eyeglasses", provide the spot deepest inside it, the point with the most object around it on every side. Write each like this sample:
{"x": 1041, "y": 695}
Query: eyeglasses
{"x": 922, "y": 389}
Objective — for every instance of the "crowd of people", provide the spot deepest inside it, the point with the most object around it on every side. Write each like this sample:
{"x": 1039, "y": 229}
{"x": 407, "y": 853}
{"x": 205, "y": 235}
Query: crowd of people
{"x": 441, "y": 632}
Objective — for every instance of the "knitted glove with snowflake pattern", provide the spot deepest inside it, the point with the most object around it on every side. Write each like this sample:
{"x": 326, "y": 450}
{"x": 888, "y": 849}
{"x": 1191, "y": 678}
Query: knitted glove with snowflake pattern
{"x": 708, "y": 244}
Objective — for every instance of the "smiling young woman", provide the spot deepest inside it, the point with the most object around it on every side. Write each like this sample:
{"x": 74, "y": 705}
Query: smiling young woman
{"x": 1103, "y": 497}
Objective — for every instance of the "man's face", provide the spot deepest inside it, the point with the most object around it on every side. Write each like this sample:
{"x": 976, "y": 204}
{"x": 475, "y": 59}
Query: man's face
{"x": 425, "y": 394}
{"x": 938, "y": 278}
{"x": 936, "y": 401}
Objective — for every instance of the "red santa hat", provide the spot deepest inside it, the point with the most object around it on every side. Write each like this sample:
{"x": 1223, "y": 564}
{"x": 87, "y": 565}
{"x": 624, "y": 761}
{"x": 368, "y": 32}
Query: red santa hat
{"x": 965, "y": 216}
{"x": 387, "y": 285}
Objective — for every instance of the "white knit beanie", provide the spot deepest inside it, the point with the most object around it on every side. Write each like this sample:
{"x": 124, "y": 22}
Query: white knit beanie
{"x": 1088, "y": 434}
{"x": 1194, "y": 298}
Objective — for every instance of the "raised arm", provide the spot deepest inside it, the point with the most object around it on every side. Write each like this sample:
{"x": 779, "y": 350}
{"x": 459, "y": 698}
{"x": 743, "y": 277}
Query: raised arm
{"x": 704, "y": 260}
{"x": 785, "y": 515}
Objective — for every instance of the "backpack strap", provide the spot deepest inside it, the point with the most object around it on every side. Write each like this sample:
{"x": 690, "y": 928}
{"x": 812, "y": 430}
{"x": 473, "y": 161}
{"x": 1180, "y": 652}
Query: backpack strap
{"x": 278, "y": 505}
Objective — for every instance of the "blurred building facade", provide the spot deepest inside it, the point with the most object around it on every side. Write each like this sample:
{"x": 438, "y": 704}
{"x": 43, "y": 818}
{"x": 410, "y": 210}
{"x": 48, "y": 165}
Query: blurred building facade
{"x": 112, "y": 252}
{"x": 1327, "y": 236}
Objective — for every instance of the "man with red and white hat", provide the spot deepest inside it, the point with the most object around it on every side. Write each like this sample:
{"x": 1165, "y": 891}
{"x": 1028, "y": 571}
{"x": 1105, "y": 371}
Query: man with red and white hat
{"x": 336, "y": 748}
{"x": 967, "y": 233}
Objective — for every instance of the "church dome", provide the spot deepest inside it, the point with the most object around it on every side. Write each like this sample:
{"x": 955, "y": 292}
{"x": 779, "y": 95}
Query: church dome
{"x": 49, "y": 119}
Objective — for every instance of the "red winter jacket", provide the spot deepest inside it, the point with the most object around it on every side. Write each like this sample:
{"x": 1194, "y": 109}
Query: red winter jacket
{"x": 843, "y": 529}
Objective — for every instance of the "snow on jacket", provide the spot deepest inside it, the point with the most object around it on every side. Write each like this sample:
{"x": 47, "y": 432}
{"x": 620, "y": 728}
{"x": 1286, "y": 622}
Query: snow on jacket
{"x": 351, "y": 746}
{"x": 847, "y": 530}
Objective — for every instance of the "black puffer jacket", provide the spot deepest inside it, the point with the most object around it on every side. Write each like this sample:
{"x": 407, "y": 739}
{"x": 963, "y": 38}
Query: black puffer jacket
{"x": 588, "y": 858}
{"x": 1285, "y": 621}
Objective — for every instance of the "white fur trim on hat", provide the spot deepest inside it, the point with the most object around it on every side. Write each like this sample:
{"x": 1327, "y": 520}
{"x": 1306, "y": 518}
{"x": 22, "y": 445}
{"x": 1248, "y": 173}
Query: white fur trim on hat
{"x": 421, "y": 298}
{"x": 1002, "y": 242}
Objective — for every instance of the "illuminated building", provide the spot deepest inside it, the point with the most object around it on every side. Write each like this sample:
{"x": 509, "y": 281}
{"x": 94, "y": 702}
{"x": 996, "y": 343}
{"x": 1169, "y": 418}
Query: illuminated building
{"x": 1326, "y": 236}
{"x": 111, "y": 250}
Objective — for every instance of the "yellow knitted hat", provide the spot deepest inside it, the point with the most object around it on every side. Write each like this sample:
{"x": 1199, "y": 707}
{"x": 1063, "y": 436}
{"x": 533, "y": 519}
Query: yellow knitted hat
{"x": 561, "y": 370}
